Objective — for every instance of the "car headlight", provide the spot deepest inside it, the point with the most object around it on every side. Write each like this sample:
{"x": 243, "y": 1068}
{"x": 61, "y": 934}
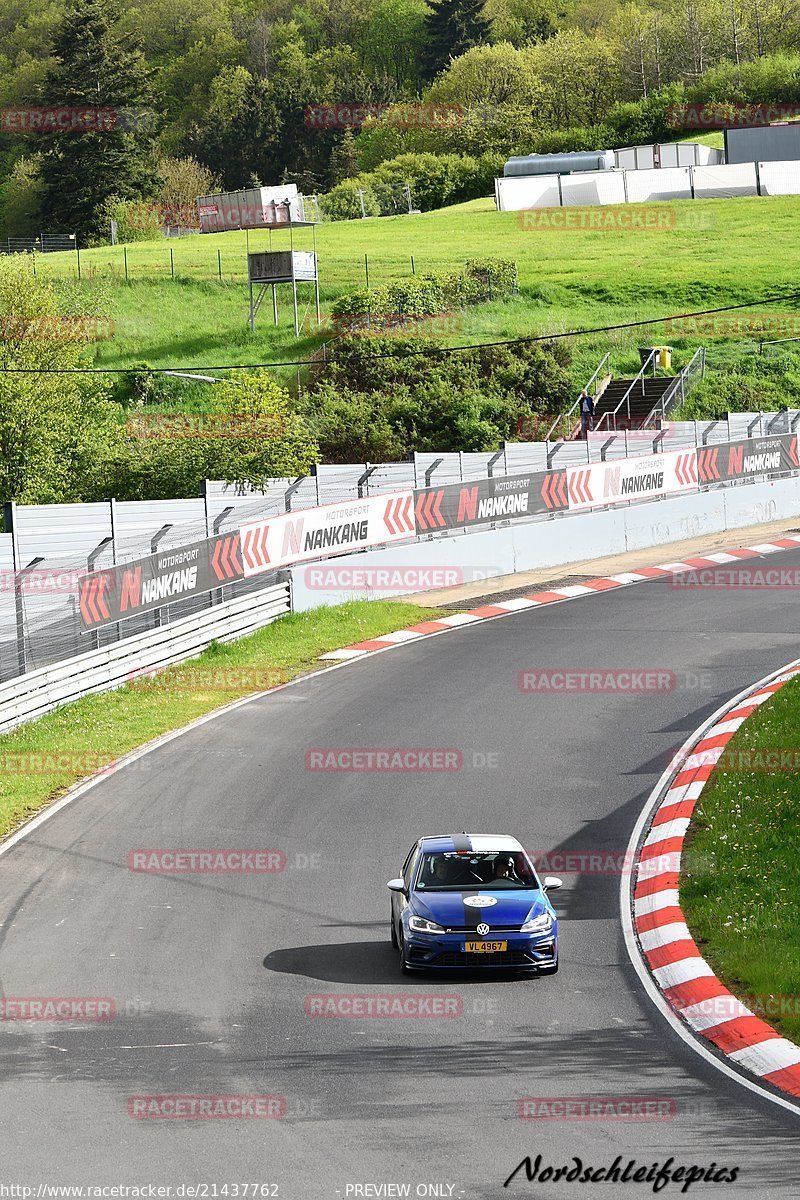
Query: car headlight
{"x": 541, "y": 924}
{"x": 420, "y": 925}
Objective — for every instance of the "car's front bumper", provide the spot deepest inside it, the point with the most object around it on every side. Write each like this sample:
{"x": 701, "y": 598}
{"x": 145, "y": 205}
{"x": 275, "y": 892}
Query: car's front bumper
{"x": 445, "y": 951}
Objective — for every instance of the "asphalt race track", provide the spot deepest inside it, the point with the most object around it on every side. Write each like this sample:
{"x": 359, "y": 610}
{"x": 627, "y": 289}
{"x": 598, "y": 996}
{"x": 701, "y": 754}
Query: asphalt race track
{"x": 209, "y": 972}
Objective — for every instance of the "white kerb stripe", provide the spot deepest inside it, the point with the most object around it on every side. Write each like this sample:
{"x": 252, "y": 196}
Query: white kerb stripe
{"x": 573, "y": 589}
{"x": 765, "y": 548}
{"x": 400, "y": 635}
{"x": 766, "y": 1057}
{"x": 661, "y": 864}
{"x": 675, "y": 567}
{"x": 722, "y": 557}
{"x": 669, "y": 829}
{"x": 703, "y": 758}
{"x": 457, "y": 619}
{"x": 714, "y": 1011}
{"x": 650, "y": 904}
{"x": 684, "y": 791}
{"x": 665, "y": 935}
{"x": 682, "y": 971}
{"x": 728, "y": 726}
{"x": 344, "y": 654}
{"x": 517, "y": 602}
{"x": 627, "y": 577}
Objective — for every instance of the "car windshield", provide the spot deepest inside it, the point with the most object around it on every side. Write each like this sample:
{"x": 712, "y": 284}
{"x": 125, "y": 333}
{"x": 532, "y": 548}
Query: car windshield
{"x": 458, "y": 871}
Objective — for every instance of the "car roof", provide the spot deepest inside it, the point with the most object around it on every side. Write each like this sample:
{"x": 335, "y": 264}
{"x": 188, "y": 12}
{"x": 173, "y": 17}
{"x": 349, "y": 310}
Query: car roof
{"x": 479, "y": 842}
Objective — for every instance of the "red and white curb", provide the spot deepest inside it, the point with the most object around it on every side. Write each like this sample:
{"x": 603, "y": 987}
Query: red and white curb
{"x": 683, "y": 977}
{"x": 538, "y": 599}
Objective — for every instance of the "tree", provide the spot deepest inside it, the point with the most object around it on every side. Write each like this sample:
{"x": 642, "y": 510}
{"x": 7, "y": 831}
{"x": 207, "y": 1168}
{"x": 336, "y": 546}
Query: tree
{"x": 97, "y": 69}
{"x": 21, "y": 198}
{"x": 55, "y": 430}
{"x": 452, "y": 27}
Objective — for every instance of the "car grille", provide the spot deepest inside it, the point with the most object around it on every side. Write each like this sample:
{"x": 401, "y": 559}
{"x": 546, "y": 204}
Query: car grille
{"x": 493, "y": 929}
{"x": 457, "y": 958}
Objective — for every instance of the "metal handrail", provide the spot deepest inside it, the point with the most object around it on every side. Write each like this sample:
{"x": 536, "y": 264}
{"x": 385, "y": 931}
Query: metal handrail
{"x": 570, "y": 411}
{"x": 638, "y": 378}
{"x": 679, "y": 384}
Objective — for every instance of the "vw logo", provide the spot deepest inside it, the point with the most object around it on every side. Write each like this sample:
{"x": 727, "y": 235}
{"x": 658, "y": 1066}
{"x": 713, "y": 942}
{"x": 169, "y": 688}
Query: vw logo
{"x": 483, "y": 929}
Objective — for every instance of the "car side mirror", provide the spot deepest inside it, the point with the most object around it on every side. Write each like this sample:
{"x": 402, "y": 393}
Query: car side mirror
{"x": 551, "y": 883}
{"x": 396, "y": 885}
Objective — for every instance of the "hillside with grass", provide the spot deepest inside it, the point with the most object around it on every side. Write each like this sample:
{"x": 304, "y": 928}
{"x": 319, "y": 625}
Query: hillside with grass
{"x": 707, "y": 254}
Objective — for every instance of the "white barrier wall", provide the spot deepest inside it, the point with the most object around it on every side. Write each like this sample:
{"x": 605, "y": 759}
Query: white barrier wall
{"x": 486, "y": 554}
{"x": 527, "y": 191}
{"x": 779, "y": 178}
{"x": 737, "y": 179}
{"x": 593, "y": 187}
{"x": 670, "y": 183}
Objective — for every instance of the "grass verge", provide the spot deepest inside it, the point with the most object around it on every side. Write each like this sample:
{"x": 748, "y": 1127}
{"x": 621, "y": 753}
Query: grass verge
{"x": 40, "y": 760}
{"x": 741, "y": 891}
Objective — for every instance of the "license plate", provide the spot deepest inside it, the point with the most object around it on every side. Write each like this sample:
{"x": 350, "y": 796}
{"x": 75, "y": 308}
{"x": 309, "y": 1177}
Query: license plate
{"x": 484, "y": 947}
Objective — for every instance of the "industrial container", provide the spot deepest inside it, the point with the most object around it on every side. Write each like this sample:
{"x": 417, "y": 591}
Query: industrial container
{"x": 252, "y": 208}
{"x": 560, "y": 164}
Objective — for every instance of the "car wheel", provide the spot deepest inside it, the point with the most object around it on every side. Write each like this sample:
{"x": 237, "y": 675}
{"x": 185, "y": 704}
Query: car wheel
{"x": 404, "y": 967}
{"x": 392, "y": 930}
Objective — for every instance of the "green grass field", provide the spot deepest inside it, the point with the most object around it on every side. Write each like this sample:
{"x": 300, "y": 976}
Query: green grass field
{"x": 709, "y": 253}
{"x": 741, "y": 893}
{"x": 40, "y": 760}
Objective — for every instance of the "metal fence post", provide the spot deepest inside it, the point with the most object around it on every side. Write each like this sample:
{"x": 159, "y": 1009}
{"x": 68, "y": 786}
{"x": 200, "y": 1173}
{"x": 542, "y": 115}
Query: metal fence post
{"x": 158, "y": 619}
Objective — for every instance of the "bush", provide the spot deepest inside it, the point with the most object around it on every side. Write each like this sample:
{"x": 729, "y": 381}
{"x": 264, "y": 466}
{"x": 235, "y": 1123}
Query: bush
{"x": 378, "y": 400}
{"x": 343, "y": 202}
{"x": 137, "y": 220}
{"x": 435, "y": 180}
{"x": 433, "y": 293}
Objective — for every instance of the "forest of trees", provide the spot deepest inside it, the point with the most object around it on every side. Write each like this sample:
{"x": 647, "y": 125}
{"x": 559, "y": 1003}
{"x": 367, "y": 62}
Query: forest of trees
{"x": 218, "y": 92}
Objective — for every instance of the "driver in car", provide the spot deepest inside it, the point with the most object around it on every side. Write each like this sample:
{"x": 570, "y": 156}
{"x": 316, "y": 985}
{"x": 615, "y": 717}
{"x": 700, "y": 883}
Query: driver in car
{"x": 504, "y": 874}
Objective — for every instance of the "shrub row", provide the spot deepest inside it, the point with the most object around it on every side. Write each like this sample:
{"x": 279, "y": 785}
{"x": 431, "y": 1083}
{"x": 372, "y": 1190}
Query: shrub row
{"x": 433, "y": 293}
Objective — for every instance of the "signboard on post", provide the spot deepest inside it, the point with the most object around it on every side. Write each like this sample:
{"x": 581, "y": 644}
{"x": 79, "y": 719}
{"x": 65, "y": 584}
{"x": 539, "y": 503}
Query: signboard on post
{"x": 145, "y": 584}
{"x": 330, "y": 529}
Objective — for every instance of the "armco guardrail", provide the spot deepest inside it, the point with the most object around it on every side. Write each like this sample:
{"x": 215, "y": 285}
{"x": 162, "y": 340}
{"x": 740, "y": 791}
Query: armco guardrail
{"x": 40, "y": 691}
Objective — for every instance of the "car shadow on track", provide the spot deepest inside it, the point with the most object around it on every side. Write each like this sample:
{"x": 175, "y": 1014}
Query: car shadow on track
{"x": 369, "y": 963}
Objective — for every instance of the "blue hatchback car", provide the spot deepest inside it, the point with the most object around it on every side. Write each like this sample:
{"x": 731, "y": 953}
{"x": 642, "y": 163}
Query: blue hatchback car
{"x": 474, "y": 902}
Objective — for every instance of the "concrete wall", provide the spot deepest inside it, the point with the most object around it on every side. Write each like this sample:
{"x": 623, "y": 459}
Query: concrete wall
{"x": 530, "y": 545}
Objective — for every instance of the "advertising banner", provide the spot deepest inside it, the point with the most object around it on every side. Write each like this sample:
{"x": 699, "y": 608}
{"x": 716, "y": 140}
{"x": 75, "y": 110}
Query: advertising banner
{"x": 632, "y": 478}
{"x": 745, "y": 459}
{"x": 503, "y": 498}
{"x": 149, "y": 583}
{"x": 325, "y": 531}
